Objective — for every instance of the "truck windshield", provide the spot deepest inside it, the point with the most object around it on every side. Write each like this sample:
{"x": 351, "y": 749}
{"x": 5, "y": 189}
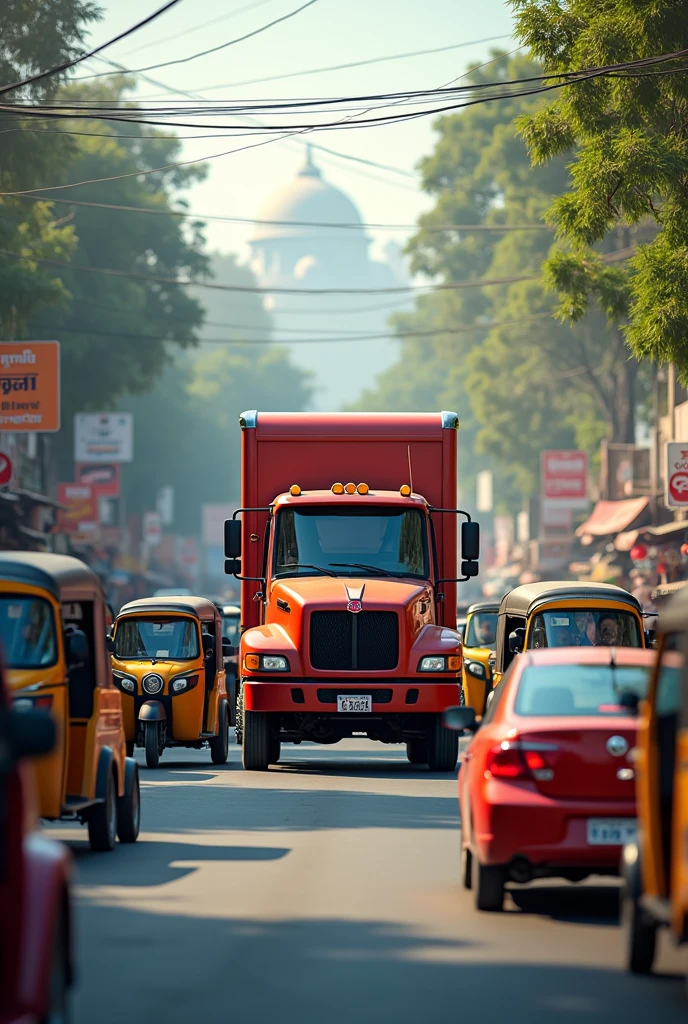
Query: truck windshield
{"x": 27, "y": 632}
{"x": 156, "y": 639}
{"x": 375, "y": 541}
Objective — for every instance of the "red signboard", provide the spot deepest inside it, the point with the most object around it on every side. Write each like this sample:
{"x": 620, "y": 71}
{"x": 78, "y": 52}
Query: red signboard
{"x": 564, "y": 477}
{"x": 103, "y": 477}
{"x": 80, "y": 507}
{"x": 6, "y": 468}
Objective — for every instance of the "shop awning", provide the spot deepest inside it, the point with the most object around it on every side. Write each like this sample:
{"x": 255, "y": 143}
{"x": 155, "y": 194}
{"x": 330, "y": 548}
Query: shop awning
{"x": 611, "y": 517}
{"x": 658, "y": 534}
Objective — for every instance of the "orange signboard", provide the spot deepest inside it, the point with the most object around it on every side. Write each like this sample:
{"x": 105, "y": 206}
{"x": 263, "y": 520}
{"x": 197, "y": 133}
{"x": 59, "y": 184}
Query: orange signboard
{"x": 79, "y": 507}
{"x": 30, "y": 386}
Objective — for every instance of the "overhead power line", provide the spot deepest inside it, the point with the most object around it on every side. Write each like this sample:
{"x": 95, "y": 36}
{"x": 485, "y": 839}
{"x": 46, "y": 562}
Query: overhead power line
{"x": 92, "y": 53}
{"x": 197, "y": 28}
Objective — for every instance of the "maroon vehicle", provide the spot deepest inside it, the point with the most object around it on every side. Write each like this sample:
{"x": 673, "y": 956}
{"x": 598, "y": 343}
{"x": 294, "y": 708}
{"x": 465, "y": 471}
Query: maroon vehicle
{"x": 35, "y": 928}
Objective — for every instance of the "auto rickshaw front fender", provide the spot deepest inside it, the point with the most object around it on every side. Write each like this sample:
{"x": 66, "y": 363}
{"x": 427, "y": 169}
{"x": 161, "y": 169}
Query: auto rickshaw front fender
{"x": 152, "y": 711}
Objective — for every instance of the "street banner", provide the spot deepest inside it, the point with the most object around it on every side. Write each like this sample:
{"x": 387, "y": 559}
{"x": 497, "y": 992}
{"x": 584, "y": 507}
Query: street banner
{"x": 103, "y": 477}
{"x": 30, "y": 386}
{"x": 564, "y": 479}
{"x": 676, "y": 475}
{"x": 104, "y": 437}
{"x": 152, "y": 529}
{"x": 80, "y": 508}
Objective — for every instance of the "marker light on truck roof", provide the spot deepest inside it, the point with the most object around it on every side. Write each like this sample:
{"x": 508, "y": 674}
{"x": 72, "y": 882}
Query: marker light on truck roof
{"x": 363, "y": 488}
{"x": 295, "y": 490}
{"x": 337, "y": 488}
{"x": 350, "y": 488}
{"x": 405, "y": 490}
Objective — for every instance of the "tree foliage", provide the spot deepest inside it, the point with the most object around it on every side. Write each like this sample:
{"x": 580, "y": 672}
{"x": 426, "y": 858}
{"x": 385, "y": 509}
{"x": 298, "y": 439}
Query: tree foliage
{"x": 629, "y": 167}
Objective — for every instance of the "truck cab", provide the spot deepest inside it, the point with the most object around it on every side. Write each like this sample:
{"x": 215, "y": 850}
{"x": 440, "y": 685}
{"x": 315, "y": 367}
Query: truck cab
{"x": 343, "y": 606}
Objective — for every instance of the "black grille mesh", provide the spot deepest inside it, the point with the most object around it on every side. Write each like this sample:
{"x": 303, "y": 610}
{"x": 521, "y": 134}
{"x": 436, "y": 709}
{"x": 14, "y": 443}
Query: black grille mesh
{"x": 346, "y": 641}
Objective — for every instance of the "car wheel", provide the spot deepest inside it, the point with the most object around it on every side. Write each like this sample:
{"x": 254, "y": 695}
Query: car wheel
{"x": 129, "y": 804}
{"x": 219, "y": 745}
{"x": 102, "y": 819}
{"x": 256, "y": 746}
{"x": 57, "y": 1011}
{"x": 417, "y": 751}
{"x": 487, "y": 883}
{"x": 443, "y": 747}
{"x": 466, "y": 867}
{"x": 152, "y": 744}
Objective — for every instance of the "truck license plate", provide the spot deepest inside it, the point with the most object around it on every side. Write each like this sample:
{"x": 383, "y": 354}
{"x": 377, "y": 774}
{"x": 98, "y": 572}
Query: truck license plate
{"x": 611, "y": 831}
{"x": 360, "y": 704}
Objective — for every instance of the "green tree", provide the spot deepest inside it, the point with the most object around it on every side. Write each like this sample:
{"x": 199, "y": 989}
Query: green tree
{"x": 34, "y": 36}
{"x": 629, "y": 166}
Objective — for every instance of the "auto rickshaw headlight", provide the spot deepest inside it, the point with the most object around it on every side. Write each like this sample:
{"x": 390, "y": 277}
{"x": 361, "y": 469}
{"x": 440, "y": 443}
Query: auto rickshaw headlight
{"x": 179, "y": 684}
{"x": 476, "y": 669}
{"x": 124, "y": 683}
{"x": 128, "y": 684}
{"x": 152, "y": 683}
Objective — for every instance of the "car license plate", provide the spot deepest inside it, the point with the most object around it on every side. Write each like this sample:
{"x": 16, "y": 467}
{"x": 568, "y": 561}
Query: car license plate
{"x": 360, "y": 704}
{"x": 611, "y": 831}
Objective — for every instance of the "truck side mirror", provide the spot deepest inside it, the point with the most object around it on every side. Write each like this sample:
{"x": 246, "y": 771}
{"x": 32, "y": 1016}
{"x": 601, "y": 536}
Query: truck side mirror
{"x": 232, "y": 538}
{"x": 470, "y": 543}
{"x": 470, "y": 568}
{"x": 232, "y": 566}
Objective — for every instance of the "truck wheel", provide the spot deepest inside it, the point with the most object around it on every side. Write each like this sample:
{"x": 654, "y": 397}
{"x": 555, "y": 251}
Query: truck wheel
{"x": 219, "y": 745}
{"x": 443, "y": 747}
{"x": 129, "y": 804}
{"x": 487, "y": 883}
{"x": 102, "y": 819}
{"x": 275, "y": 749}
{"x": 239, "y": 717}
{"x": 638, "y": 930}
{"x": 152, "y": 744}
{"x": 257, "y": 740}
{"x": 417, "y": 751}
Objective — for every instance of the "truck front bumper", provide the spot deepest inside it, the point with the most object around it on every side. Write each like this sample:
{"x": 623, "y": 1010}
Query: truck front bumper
{"x": 390, "y": 696}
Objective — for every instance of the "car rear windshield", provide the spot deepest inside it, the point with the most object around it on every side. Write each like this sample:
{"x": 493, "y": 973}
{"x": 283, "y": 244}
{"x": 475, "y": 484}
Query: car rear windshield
{"x": 27, "y": 632}
{"x": 583, "y": 627}
{"x": 579, "y": 689}
{"x": 157, "y": 639}
{"x": 482, "y": 630}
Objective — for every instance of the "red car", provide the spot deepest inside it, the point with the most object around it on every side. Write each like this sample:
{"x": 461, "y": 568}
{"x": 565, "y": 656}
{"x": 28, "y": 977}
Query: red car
{"x": 546, "y": 787}
{"x": 35, "y": 948}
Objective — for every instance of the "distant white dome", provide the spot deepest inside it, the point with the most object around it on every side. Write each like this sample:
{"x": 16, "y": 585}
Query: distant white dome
{"x": 308, "y": 198}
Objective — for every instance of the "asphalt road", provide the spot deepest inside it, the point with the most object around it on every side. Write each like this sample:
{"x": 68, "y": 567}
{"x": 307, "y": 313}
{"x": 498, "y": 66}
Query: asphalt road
{"x": 326, "y": 891}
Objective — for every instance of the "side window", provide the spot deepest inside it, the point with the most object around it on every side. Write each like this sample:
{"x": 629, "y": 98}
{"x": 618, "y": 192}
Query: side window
{"x": 512, "y": 623}
{"x": 538, "y": 634}
{"x": 496, "y": 698}
{"x": 81, "y": 676}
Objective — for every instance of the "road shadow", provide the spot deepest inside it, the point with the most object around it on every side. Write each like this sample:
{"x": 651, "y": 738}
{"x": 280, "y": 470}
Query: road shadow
{"x": 368, "y": 768}
{"x": 276, "y": 810}
{"x": 334, "y": 971}
{"x": 153, "y": 863}
{"x": 574, "y": 904}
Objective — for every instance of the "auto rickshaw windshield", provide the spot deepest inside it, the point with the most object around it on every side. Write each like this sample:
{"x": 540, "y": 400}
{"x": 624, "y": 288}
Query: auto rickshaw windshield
{"x": 482, "y": 630}
{"x": 582, "y": 627}
{"x": 156, "y": 639}
{"x": 27, "y": 632}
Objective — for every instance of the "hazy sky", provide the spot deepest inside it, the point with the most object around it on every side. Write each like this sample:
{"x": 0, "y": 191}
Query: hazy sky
{"x": 329, "y": 32}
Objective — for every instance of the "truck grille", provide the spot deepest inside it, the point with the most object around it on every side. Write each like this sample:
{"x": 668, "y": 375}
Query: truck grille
{"x": 347, "y": 641}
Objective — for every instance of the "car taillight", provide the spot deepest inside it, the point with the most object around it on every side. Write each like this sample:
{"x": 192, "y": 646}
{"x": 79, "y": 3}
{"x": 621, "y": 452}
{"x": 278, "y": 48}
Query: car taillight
{"x": 45, "y": 703}
{"x": 520, "y": 760}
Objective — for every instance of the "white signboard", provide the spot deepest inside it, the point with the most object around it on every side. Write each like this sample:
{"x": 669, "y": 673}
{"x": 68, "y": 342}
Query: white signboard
{"x": 213, "y": 520}
{"x": 676, "y": 476}
{"x": 104, "y": 437}
{"x": 152, "y": 529}
{"x": 484, "y": 489}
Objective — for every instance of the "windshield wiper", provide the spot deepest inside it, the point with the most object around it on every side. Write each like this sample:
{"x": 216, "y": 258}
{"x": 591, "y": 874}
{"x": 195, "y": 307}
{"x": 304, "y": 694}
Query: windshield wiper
{"x": 305, "y": 565}
{"x": 362, "y": 565}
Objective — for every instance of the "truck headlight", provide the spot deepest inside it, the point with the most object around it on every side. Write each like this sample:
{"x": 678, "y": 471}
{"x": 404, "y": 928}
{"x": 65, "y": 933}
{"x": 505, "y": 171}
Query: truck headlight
{"x": 266, "y": 663}
{"x": 440, "y": 663}
{"x": 476, "y": 669}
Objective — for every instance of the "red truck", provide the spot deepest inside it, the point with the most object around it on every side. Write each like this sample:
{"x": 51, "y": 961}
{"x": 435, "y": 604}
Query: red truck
{"x": 346, "y": 548}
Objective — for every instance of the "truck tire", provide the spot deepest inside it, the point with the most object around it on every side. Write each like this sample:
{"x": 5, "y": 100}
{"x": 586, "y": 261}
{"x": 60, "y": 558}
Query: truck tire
{"x": 257, "y": 743}
{"x": 487, "y": 883}
{"x": 239, "y": 717}
{"x": 417, "y": 751}
{"x": 275, "y": 749}
{"x": 443, "y": 747}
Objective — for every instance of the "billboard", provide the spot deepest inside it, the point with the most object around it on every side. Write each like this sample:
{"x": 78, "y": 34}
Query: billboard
{"x": 564, "y": 479}
{"x": 80, "y": 507}
{"x": 104, "y": 437}
{"x": 103, "y": 477}
{"x": 30, "y": 386}
{"x": 676, "y": 475}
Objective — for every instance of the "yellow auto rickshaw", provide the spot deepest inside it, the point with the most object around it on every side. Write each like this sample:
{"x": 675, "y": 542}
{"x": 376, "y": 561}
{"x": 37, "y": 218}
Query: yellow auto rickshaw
{"x": 53, "y": 639}
{"x": 655, "y": 868}
{"x": 168, "y": 662}
{"x": 566, "y": 614}
{"x": 479, "y": 640}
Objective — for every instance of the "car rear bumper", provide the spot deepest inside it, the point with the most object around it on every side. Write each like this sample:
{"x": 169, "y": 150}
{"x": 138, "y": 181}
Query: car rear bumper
{"x": 519, "y": 822}
{"x": 397, "y": 696}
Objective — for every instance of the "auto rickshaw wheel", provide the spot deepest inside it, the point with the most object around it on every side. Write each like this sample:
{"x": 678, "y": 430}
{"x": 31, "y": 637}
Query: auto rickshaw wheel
{"x": 102, "y": 819}
{"x": 256, "y": 747}
{"x": 129, "y": 805}
{"x": 57, "y": 1011}
{"x": 417, "y": 751}
{"x": 219, "y": 745}
{"x": 443, "y": 747}
{"x": 152, "y": 744}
